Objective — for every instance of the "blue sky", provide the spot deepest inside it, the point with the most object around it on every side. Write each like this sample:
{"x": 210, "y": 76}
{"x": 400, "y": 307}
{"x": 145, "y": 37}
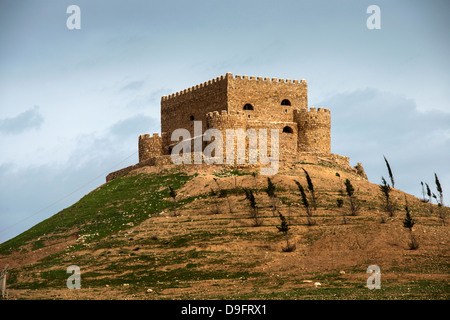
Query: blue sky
{"x": 73, "y": 102}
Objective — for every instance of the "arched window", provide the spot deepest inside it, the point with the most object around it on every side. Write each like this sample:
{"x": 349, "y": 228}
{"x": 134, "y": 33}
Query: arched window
{"x": 288, "y": 129}
{"x": 248, "y": 106}
{"x": 192, "y": 118}
{"x": 285, "y": 102}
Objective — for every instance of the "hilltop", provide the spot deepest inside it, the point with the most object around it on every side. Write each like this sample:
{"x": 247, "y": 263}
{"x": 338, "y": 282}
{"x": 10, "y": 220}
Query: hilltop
{"x": 132, "y": 241}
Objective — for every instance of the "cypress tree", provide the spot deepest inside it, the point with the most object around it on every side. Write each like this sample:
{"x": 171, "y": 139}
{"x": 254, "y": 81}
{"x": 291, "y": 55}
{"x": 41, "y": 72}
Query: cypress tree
{"x": 408, "y": 223}
{"x": 350, "y": 192}
{"x": 311, "y": 189}
{"x": 391, "y": 176}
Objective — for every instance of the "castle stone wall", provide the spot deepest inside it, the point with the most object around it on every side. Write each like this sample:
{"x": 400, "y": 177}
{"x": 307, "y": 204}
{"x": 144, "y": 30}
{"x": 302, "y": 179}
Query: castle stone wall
{"x": 238, "y": 120}
{"x": 219, "y": 103}
{"x": 266, "y": 95}
{"x": 149, "y": 146}
{"x": 287, "y": 140}
{"x": 181, "y": 109}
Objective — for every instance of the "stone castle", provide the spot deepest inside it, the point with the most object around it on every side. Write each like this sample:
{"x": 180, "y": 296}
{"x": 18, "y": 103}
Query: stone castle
{"x": 234, "y": 102}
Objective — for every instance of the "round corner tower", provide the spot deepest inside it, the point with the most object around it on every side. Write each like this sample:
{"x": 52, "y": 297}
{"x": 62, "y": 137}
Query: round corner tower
{"x": 149, "y": 146}
{"x": 226, "y": 120}
{"x": 314, "y": 129}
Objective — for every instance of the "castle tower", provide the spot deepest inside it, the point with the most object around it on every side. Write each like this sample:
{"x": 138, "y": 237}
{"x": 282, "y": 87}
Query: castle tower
{"x": 243, "y": 102}
{"x": 149, "y": 146}
{"x": 314, "y": 129}
{"x": 224, "y": 121}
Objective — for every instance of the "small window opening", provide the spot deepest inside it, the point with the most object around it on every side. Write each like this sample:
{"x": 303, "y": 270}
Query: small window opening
{"x": 192, "y": 118}
{"x": 248, "y": 106}
{"x": 285, "y": 102}
{"x": 288, "y": 129}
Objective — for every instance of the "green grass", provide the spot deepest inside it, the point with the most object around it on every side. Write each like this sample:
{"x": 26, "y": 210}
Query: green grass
{"x": 127, "y": 201}
{"x": 231, "y": 172}
{"x": 37, "y": 245}
{"x": 166, "y": 279}
{"x": 117, "y": 205}
{"x": 334, "y": 289}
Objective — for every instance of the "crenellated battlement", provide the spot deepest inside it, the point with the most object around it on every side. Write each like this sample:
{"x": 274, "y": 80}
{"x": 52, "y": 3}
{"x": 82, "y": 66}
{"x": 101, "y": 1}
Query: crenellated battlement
{"x": 194, "y": 88}
{"x": 314, "y": 128}
{"x": 148, "y": 136}
{"x": 229, "y": 76}
{"x": 150, "y": 146}
{"x": 226, "y": 120}
{"x": 271, "y": 80}
{"x": 319, "y": 110}
{"x": 312, "y": 110}
{"x": 312, "y": 115}
{"x": 225, "y": 115}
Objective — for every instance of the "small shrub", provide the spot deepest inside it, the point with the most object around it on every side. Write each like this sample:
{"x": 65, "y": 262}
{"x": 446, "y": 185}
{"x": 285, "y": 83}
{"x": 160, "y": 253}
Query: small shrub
{"x": 253, "y": 208}
{"x": 215, "y": 208}
{"x": 284, "y": 227}
{"x": 270, "y": 190}
{"x": 350, "y": 192}
{"x": 173, "y": 195}
{"x": 223, "y": 194}
{"x": 289, "y": 248}
{"x": 408, "y": 223}
{"x": 341, "y": 190}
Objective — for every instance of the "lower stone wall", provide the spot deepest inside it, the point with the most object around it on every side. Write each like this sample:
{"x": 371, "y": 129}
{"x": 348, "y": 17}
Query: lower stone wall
{"x": 155, "y": 161}
{"x": 285, "y": 158}
{"x": 315, "y": 157}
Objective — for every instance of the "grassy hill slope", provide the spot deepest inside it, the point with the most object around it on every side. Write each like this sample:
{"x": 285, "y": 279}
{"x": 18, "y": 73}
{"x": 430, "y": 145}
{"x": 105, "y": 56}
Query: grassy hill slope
{"x": 131, "y": 240}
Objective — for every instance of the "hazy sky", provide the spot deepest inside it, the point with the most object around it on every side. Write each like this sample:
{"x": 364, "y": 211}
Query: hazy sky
{"x": 73, "y": 102}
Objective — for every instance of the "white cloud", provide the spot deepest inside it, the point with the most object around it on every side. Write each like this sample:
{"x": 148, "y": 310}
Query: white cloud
{"x": 27, "y": 120}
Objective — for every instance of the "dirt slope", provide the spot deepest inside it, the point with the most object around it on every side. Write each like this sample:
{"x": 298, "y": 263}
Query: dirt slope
{"x": 206, "y": 246}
